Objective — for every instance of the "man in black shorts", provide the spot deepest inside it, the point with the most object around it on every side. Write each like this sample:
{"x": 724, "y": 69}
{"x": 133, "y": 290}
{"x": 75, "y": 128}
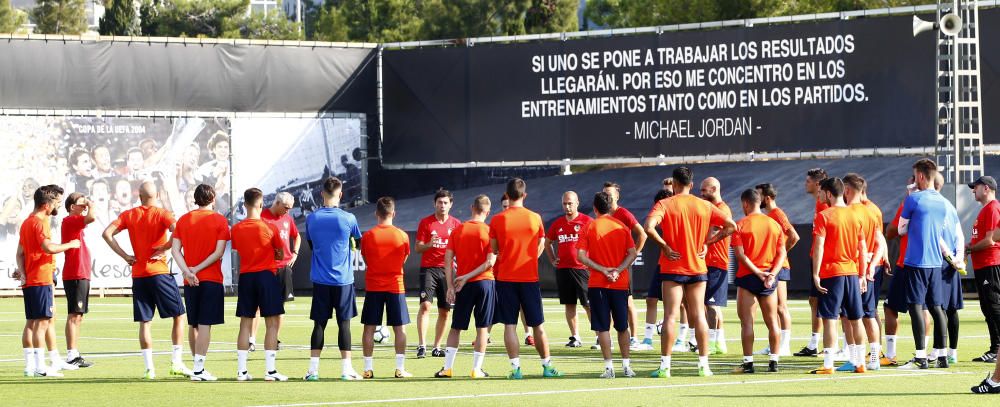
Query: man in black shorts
{"x": 571, "y": 275}
{"x": 433, "y": 233}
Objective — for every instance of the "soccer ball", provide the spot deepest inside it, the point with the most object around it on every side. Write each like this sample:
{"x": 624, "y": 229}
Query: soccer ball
{"x": 659, "y": 327}
{"x": 381, "y": 334}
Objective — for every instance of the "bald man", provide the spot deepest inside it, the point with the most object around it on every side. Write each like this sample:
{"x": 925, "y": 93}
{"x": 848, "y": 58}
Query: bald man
{"x": 153, "y": 288}
{"x": 572, "y": 276}
{"x": 717, "y": 260}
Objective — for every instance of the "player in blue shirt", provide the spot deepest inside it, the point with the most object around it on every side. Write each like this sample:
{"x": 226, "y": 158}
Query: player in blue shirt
{"x": 922, "y": 220}
{"x": 333, "y": 234}
{"x": 953, "y": 246}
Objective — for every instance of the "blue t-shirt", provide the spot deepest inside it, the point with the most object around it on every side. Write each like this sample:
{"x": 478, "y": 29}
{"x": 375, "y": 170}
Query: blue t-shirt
{"x": 951, "y": 232}
{"x": 330, "y": 230}
{"x": 926, "y": 211}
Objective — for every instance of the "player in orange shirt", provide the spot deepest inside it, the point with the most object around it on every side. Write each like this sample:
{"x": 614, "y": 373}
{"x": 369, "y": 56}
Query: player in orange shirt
{"x": 384, "y": 249}
{"x": 813, "y": 178}
{"x": 626, "y": 217}
{"x": 870, "y": 215}
{"x": 607, "y": 249}
{"x": 260, "y": 247}
{"x": 517, "y": 237}
{"x": 471, "y": 288}
{"x": 686, "y": 221}
{"x": 769, "y": 196}
{"x": 36, "y": 265}
{"x": 840, "y": 246}
{"x": 198, "y": 243}
{"x": 717, "y": 260}
{"x": 153, "y": 288}
{"x": 759, "y": 244}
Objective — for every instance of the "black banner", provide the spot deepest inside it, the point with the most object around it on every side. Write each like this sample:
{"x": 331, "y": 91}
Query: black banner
{"x": 793, "y": 87}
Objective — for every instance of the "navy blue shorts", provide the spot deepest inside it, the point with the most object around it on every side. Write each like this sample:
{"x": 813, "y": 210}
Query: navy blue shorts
{"x": 157, "y": 292}
{"x": 785, "y": 274}
{"x": 755, "y": 285}
{"x": 38, "y": 302}
{"x": 843, "y": 297}
{"x": 394, "y": 305}
{"x": 513, "y": 297}
{"x": 476, "y": 298}
{"x": 869, "y": 298}
{"x": 922, "y": 286}
{"x": 655, "y": 289}
{"x": 717, "y": 289}
{"x": 259, "y": 290}
{"x": 607, "y": 305}
{"x": 951, "y": 289}
{"x": 896, "y": 298}
{"x": 205, "y": 303}
{"x": 683, "y": 280}
{"x": 327, "y": 298}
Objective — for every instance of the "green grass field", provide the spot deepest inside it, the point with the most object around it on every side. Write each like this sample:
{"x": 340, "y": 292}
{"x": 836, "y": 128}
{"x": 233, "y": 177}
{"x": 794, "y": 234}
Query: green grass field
{"x": 109, "y": 340}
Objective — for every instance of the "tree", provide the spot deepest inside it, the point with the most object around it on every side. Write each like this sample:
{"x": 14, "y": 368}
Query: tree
{"x": 371, "y": 21}
{"x": 644, "y": 13}
{"x": 121, "y": 18}
{"x": 10, "y": 19}
{"x": 483, "y": 18}
{"x": 60, "y": 17}
{"x": 273, "y": 25}
{"x": 190, "y": 18}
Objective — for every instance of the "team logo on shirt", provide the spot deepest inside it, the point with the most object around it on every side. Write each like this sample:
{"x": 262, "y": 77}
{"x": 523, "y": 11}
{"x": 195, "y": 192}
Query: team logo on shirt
{"x": 569, "y": 237}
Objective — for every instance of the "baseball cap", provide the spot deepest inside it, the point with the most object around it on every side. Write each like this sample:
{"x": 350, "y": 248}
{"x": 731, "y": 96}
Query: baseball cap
{"x": 984, "y": 180}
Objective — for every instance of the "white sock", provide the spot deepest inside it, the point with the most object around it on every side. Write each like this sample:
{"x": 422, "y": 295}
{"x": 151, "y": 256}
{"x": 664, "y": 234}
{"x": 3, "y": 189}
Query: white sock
{"x": 712, "y": 335}
{"x": 773, "y": 357}
{"x": 927, "y": 342}
{"x": 702, "y": 361}
{"x": 953, "y": 353}
{"x": 199, "y": 363}
{"x": 29, "y": 359}
{"x": 940, "y": 353}
{"x": 269, "y": 360}
{"x": 813, "y": 341}
{"x": 253, "y": 340}
{"x": 720, "y": 335}
{"x": 858, "y": 353}
{"x": 147, "y": 357}
{"x": 609, "y": 364}
{"x": 650, "y": 330}
{"x": 828, "y": 358}
{"x": 241, "y": 360}
{"x": 345, "y": 366}
{"x": 177, "y": 354}
{"x": 546, "y": 362}
{"x": 54, "y": 358}
{"x": 528, "y": 333}
{"x": 369, "y": 362}
{"x": 477, "y": 360}
{"x": 515, "y": 363}
{"x": 843, "y": 342}
{"x": 313, "y": 365}
{"x": 664, "y": 362}
{"x": 626, "y": 363}
{"x": 921, "y": 353}
{"x": 72, "y": 354}
{"x": 401, "y": 361}
{"x": 748, "y": 359}
{"x": 40, "y": 360}
{"x": 682, "y": 332}
{"x": 990, "y": 381}
{"x": 786, "y": 339}
{"x": 890, "y": 346}
{"x": 876, "y": 350}
{"x": 449, "y": 357}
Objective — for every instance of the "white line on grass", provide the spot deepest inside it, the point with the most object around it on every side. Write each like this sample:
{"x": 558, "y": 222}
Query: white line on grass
{"x": 593, "y": 390}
